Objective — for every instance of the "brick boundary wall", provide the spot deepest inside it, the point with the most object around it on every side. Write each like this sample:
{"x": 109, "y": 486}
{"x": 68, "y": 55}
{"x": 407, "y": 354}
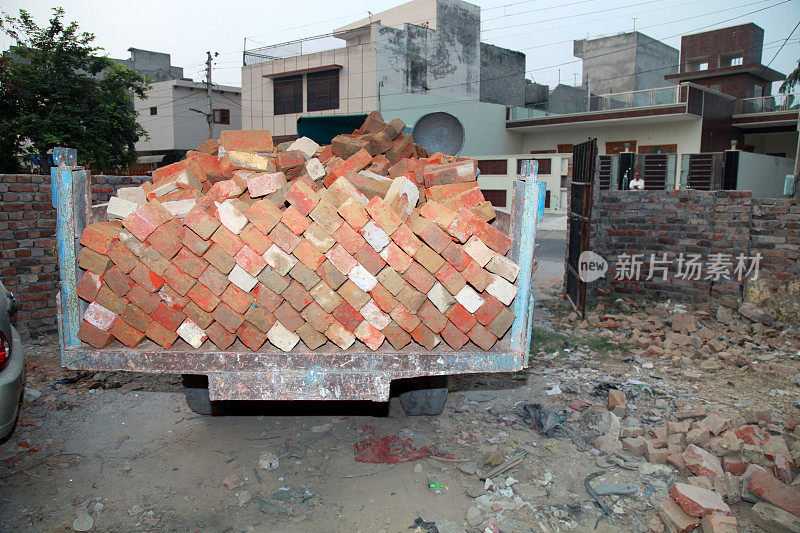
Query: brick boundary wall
{"x": 28, "y": 264}
{"x": 699, "y": 222}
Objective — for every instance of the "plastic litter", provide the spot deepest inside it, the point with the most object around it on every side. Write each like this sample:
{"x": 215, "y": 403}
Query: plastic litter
{"x": 389, "y": 450}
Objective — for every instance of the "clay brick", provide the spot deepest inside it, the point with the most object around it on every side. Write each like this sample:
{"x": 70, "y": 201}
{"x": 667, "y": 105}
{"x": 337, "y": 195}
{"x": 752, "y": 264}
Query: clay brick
{"x": 180, "y": 281}
{"x": 770, "y": 489}
{"x": 349, "y": 238}
{"x": 297, "y": 296}
{"x": 342, "y": 260}
{"x": 250, "y": 261}
{"x": 481, "y": 337}
{"x": 425, "y": 337}
{"x": 148, "y": 301}
{"x": 264, "y": 215}
{"x": 295, "y": 221}
{"x": 353, "y": 294}
{"x": 437, "y": 213}
{"x": 374, "y": 315}
{"x": 317, "y": 317}
{"x": 166, "y": 239}
{"x": 674, "y": 518}
{"x": 411, "y": 298}
{"x": 220, "y": 259}
{"x": 190, "y": 263}
{"x": 404, "y": 318}
{"x": 253, "y": 237}
{"x": 398, "y": 338}
{"x": 153, "y": 260}
{"x": 197, "y": 315}
{"x": 214, "y": 280}
{"x": 331, "y": 275}
{"x": 227, "y": 317}
{"x": 452, "y": 280}
{"x": 201, "y": 223}
{"x": 503, "y": 267}
{"x": 260, "y": 318}
{"x": 340, "y": 336}
{"x": 126, "y": 334}
{"x": 354, "y": 213}
{"x": 426, "y": 257}
{"x": 238, "y": 300}
{"x": 118, "y": 281}
{"x": 108, "y": 300}
{"x": 697, "y": 501}
{"x": 308, "y": 255}
{"x": 172, "y": 298}
{"x": 311, "y": 337}
{"x": 229, "y": 242}
{"x": 136, "y": 317}
{"x": 454, "y": 255}
{"x": 284, "y": 238}
{"x": 168, "y": 317}
{"x": 221, "y": 337}
{"x": 146, "y": 219}
{"x": 272, "y": 281}
{"x": 265, "y": 183}
{"x": 279, "y": 260}
{"x": 160, "y": 335}
{"x": 501, "y": 289}
{"x": 369, "y": 335}
{"x": 492, "y": 237}
{"x": 476, "y": 276}
{"x": 383, "y": 298}
{"x": 383, "y": 215}
{"x": 389, "y": 278}
{"x": 347, "y": 316}
{"x": 342, "y": 190}
{"x": 203, "y": 297}
{"x": 94, "y": 336}
{"x": 431, "y": 317}
{"x": 326, "y": 297}
{"x": 458, "y": 172}
{"x": 222, "y": 190}
{"x": 370, "y": 259}
{"x": 251, "y": 336}
{"x": 325, "y": 215}
{"x": 122, "y": 257}
{"x": 302, "y": 197}
{"x": 461, "y": 227}
{"x": 246, "y": 140}
{"x": 405, "y": 239}
{"x": 231, "y": 213}
{"x": 396, "y": 257}
{"x": 489, "y": 310}
{"x": 266, "y": 298}
{"x": 419, "y": 278}
{"x": 92, "y": 261}
{"x": 320, "y": 238}
{"x": 101, "y": 236}
{"x": 439, "y": 193}
{"x": 304, "y": 275}
{"x": 465, "y": 199}
{"x": 89, "y": 286}
{"x": 375, "y": 236}
{"x": 358, "y": 161}
{"x": 288, "y": 317}
{"x": 501, "y": 323}
{"x": 454, "y": 336}
{"x": 461, "y": 317}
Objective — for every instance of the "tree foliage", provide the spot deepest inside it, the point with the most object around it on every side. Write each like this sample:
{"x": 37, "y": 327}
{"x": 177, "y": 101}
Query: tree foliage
{"x": 56, "y": 90}
{"x": 791, "y": 80}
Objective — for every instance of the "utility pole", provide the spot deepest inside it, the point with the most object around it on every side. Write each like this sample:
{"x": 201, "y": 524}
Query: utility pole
{"x": 210, "y": 116}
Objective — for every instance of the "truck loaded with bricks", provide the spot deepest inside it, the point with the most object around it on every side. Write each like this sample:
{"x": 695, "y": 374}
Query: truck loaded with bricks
{"x": 298, "y": 271}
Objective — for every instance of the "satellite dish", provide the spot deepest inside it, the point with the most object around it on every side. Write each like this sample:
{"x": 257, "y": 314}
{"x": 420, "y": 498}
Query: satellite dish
{"x": 439, "y": 132}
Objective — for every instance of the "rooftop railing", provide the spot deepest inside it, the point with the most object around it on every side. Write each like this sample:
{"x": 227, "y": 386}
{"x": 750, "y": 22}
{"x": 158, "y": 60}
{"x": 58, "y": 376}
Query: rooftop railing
{"x": 768, "y": 104}
{"x": 603, "y": 102}
{"x": 299, "y": 47}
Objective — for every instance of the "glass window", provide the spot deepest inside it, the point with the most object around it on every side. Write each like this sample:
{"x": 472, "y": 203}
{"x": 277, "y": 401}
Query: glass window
{"x": 288, "y": 95}
{"x": 222, "y": 116}
{"x": 153, "y": 111}
{"x": 322, "y": 90}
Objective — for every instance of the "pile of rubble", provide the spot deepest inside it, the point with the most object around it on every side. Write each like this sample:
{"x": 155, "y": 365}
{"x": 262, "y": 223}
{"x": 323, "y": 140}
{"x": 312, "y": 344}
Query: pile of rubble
{"x": 369, "y": 239}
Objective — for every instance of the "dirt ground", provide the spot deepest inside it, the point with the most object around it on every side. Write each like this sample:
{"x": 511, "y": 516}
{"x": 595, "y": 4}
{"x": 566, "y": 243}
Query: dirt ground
{"x": 123, "y": 452}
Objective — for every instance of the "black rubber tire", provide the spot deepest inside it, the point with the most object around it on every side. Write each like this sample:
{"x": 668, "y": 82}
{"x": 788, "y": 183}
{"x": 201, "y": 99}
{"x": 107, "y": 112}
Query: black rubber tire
{"x": 195, "y": 390}
{"x": 424, "y": 396}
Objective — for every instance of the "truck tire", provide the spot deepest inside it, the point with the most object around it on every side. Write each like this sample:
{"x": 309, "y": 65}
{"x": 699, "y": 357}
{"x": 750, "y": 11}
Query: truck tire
{"x": 424, "y": 396}
{"x": 195, "y": 390}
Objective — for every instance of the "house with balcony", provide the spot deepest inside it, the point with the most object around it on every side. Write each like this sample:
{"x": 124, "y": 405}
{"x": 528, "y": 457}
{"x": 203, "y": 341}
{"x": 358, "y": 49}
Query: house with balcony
{"x": 720, "y": 102}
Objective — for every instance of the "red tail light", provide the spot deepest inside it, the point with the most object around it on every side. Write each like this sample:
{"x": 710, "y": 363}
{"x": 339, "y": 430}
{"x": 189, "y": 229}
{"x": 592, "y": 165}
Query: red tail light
{"x": 5, "y": 351}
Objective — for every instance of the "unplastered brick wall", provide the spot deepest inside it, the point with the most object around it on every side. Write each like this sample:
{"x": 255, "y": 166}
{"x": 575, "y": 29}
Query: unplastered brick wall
{"x": 695, "y": 222}
{"x": 28, "y": 264}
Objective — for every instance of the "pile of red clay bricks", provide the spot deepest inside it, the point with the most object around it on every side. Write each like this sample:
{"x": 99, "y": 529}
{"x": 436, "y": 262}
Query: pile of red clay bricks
{"x": 368, "y": 239}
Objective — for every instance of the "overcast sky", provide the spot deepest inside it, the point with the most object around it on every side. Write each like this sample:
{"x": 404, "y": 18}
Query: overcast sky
{"x": 542, "y": 29}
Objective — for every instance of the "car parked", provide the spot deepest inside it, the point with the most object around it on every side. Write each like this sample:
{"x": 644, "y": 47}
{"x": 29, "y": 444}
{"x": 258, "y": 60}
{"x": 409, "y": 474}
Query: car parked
{"x": 12, "y": 365}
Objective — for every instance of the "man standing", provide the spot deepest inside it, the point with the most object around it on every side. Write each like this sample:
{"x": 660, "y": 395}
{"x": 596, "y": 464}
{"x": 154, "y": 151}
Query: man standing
{"x": 637, "y": 183}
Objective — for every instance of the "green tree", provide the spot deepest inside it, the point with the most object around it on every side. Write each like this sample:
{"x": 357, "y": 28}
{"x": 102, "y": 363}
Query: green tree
{"x": 55, "y": 90}
{"x": 791, "y": 80}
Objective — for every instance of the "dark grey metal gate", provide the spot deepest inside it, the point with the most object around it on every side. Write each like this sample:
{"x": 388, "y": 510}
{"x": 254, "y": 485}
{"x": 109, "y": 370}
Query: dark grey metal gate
{"x": 584, "y": 158}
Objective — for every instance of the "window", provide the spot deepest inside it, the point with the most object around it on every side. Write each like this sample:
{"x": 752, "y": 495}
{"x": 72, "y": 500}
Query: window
{"x": 288, "y": 95}
{"x": 544, "y": 165}
{"x": 758, "y": 91}
{"x": 153, "y": 111}
{"x": 737, "y": 61}
{"x": 616, "y": 147}
{"x": 496, "y": 197}
{"x": 493, "y": 167}
{"x": 565, "y": 148}
{"x": 322, "y": 90}
{"x": 222, "y": 116}
{"x": 658, "y": 149}
{"x": 731, "y": 59}
{"x": 703, "y": 66}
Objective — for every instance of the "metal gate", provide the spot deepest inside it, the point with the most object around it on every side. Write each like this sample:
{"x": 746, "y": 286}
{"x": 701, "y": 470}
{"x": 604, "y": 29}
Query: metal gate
{"x": 584, "y": 157}
{"x": 653, "y": 169}
{"x": 702, "y": 171}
